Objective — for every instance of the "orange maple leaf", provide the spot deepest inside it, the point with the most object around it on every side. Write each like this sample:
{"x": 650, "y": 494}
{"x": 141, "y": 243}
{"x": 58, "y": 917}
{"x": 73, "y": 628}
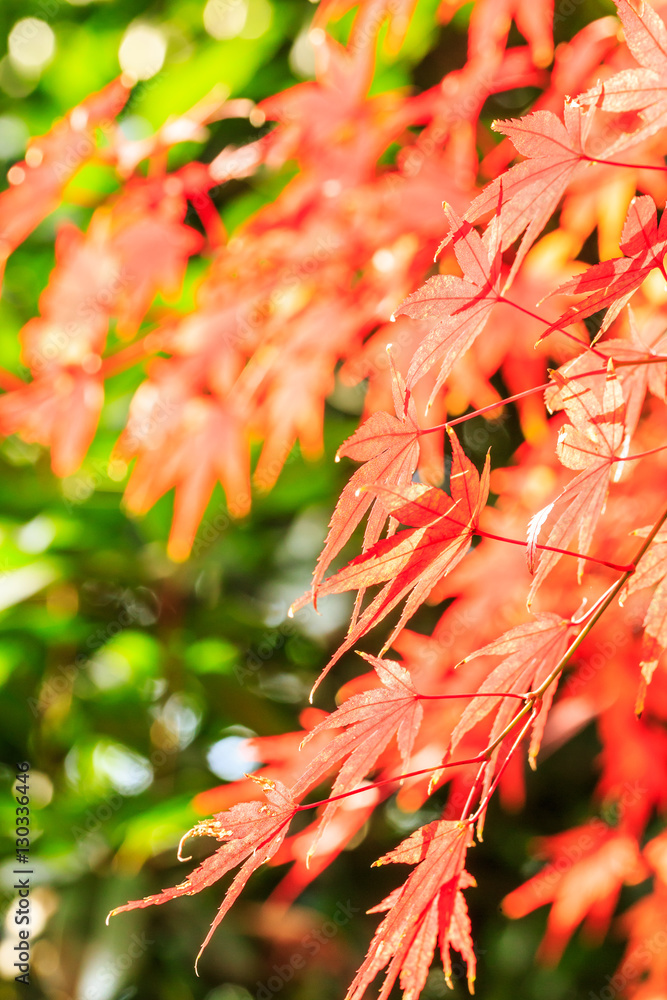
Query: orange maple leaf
{"x": 428, "y": 907}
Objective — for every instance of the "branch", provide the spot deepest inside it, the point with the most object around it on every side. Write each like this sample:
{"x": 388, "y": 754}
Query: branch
{"x": 653, "y": 360}
{"x": 597, "y": 612}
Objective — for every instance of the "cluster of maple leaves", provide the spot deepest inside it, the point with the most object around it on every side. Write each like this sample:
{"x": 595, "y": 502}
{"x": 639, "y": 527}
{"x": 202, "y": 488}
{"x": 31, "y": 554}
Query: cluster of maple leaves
{"x": 325, "y": 282}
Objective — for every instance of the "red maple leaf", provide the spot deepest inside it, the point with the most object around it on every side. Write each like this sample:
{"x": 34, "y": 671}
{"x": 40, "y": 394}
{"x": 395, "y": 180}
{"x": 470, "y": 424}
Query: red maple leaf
{"x": 368, "y": 721}
{"x": 60, "y": 411}
{"x": 299, "y": 289}
{"x": 76, "y": 304}
{"x": 610, "y": 284}
{"x": 428, "y": 907}
{"x": 647, "y": 966}
{"x": 115, "y": 269}
{"x": 642, "y": 89}
{"x": 490, "y": 22}
{"x": 574, "y": 64}
{"x": 651, "y": 572}
{"x": 253, "y": 833}
{"x": 529, "y": 192}
{"x": 587, "y": 869}
{"x": 591, "y": 442}
{"x": 152, "y": 243}
{"x": 389, "y": 447}
{"x": 635, "y": 380}
{"x": 334, "y": 113}
{"x": 309, "y": 862}
{"x": 411, "y": 562}
{"x": 36, "y": 183}
{"x": 186, "y": 441}
{"x": 459, "y": 308}
{"x": 370, "y": 16}
{"x": 529, "y": 654}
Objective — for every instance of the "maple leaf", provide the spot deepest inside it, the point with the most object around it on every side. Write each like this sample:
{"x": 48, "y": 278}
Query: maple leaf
{"x": 632, "y": 747}
{"x": 640, "y": 923}
{"x": 59, "y": 410}
{"x": 37, "y": 183}
{"x": 309, "y": 862}
{"x": 530, "y": 652}
{"x": 283, "y": 758}
{"x": 453, "y": 108}
{"x": 646, "y": 967}
{"x": 591, "y": 442}
{"x": 333, "y": 112}
{"x": 490, "y": 23}
{"x": 114, "y": 269}
{"x": 153, "y": 245}
{"x": 76, "y": 304}
{"x": 588, "y": 867}
{"x": 253, "y": 832}
{"x": 573, "y": 65}
{"x": 651, "y": 570}
{"x": 368, "y": 722}
{"x": 370, "y": 17}
{"x": 389, "y": 447}
{"x": 288, "y": 381}
{"x": 635, "y": 380}
{"x": 428, "y": 907}
{"x": 610, "y": 284}
{"x": 459, "y": 307}
{"x": 186, "y": 442}
{"x": 413, "y": 561}
{"x": 530, "y": 191}
{"x": 300, "y": 288}
{"x": 400, "y": 339}
{"x": 642, "y": 89}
